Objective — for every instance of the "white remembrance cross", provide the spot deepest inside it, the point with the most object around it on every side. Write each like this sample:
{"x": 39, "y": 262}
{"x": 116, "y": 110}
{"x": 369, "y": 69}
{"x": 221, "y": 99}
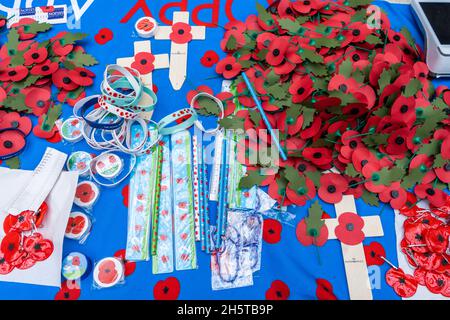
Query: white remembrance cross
{"x": 354, "y": 258}
{"x": 161, "y": 62}
{"x": 178, "y": 52}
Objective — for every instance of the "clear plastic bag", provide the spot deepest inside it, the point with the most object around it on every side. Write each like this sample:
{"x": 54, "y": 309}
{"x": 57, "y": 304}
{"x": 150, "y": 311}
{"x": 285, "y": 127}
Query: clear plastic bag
{"x": 79, "y": 226}
{"x": 108, "y": 272}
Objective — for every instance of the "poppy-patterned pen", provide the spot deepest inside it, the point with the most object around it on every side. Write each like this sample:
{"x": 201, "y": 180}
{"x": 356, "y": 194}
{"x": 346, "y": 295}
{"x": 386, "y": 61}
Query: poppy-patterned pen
{"x": 264, "y": 117}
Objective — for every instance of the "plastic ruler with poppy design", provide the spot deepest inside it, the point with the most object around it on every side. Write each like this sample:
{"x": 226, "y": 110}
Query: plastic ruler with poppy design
{"x": 179, "y": 47}
{"x": 145, "y": 62}
{"x": 142, "y": 186}
{"x": 41, "y": 183}
{"x": 163, "y": 260}
{"x": 183, "y": 204}
{"x": 354, "y": 258}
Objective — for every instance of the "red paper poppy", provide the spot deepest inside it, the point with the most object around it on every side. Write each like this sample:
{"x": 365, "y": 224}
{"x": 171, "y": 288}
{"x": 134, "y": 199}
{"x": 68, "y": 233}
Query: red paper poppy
{"x": 22, "y": 27}
{"x": 181, "y": 33}
{"x": 307, "y": 6}
{"x": 209, "y": 59}
{"x": 395, "y": 195}
{"x": 143, "y": 62}
{"x": 427, "y": 260}
{"x": 419, "y": 275}
{"x": 445, "y": 148}
{"x": 38, "y": 248}
{"x": 14, "y": 74}
{"x": 321, "y": 157}
{"x": 300, "y": 195}
{"x": 38, "y": 100}
{"x": 130, "y": 266}
{"x": 68, "y": 291}
{"x": 355, "y": 187}
{"x": 414, "y": 236}
{"x": 81, "y": 76}
{"x": 373, "y": 252}
{"x": 47, "y": 8}
{"x": 272, "y": 231}
{"x": 44, "y": 69}
{"x": 404, "y": 285}
{"x": 277, "y": 51}
{"x": 3, "y": 22}
{"x": 39, "y": 132}
{"x": 311, "y": 238}
{"x": 61, "y": 79}
{"x": 371, "y": 172}
{"x": 228, "y": 67}
{"x": 437, "y": 283}
{"x": 443, "y": 173}
{"x": 10, "y": 246}
{"x": 437, "y": 239}
{"x": 405, "y": 110}
{"x": 278, "y": 291}
{"x": 324, "y": 290}
{"x": 301, "y": 88}
{"x": 14, "y": 120}
{"x": 239, "y": 38}
{"x": 168, "y": 289}
{"x": 103, "y": 36}
{"x": 349, "y": 230}
{"x": 59, "y": 47}
{"x": 332, "y": 186}
{"x": 35, "y": 55}
{"x": 11, "y": 142}
{"x": 436, "y": 196}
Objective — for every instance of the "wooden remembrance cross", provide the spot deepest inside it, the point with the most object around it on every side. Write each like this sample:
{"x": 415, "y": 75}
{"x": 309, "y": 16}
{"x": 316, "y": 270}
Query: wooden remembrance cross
{"x": 179, "y": 52}
{"x": 354, "y": 259}
{"x": 161, "y": 62}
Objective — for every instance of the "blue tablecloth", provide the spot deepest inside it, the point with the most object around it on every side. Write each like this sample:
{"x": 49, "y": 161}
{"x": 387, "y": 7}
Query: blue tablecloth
{"x": 287, "y": 260}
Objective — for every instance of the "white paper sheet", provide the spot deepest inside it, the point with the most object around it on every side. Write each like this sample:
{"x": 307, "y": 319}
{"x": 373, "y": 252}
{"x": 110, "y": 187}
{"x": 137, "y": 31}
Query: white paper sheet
{"x": 60, "y": 199}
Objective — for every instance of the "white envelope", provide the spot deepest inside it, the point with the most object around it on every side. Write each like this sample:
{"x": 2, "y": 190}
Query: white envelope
{"x": 60, "y": 199}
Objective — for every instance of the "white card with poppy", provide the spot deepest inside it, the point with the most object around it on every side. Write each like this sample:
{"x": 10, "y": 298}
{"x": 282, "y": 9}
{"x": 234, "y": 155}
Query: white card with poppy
{"x": 59, "y": 201}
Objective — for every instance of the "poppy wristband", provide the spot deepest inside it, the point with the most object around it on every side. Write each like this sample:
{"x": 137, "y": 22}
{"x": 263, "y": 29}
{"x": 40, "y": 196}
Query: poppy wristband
{"x": 14, "y": 154}
{"x": 81, "y": 108}
{"x": 115, "y": 182}
{"x": 114, "y": 71}
{"x": 219, "y": 103}
{"x": 163, "y": 124}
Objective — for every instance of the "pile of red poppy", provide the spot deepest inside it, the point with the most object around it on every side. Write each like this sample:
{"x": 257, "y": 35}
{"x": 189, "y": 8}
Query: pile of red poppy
{"x": 344, "y": 91}
{"x": 425, "y": 246}
{"x": 22, "y": 246}
{"x": 30, "y": 69}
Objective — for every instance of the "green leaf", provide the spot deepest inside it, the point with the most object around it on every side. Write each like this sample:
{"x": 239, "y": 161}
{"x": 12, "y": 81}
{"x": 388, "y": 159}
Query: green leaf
{"x": 372, "y": 39}
{"x": 358, "y": 3}
{"x": 414, "y": 176}
{"x": 346, "y": 68}
{"x": 370, "y": 198}
{"x": 209, "y": 105}
{"x": 264, "y": 15}
{"x": 13, "y": 163}
{"x": 439, "y": 161}
{"x": 388, "y": 176}
{"x": 314, "y": 176}
{"x": 252, "y": 178}
{"x": 277, "y": 91}
{"x": 326, "y": 42}
{"x": 431, "y": 148}
{"x": 50, "y": 118}
{"x": 245, "y": 64}
{"x": 317, "y": 69}
{"x": 292, "y": 26}
{"x": 17, "y": 59}
{"x": 231, "y": 43}
{"x": 351, "y": 171}
{"x": 311, "y": 55}
{"x": 81, "y": 59}
{"x": 71, "y": 38}
{"x": 385, "y": 79}
{"x": 308, "y": 116}
{"x": 314, "y": 220}
{"x": 12, "y": 41}
{"x": 412, "y": 88}
{"x": 359, "y": 16}
{"x": 408, "y": 36}
{"x": 232, "y": 122}
{"x": 376, "y": 139}
{"x": 16, "y": 103}
{"x": 37, "y": 27}
{"x": 344, "y": 97}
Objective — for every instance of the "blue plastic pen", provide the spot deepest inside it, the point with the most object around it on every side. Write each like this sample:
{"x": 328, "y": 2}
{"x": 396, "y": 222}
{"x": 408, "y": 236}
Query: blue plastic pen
{"x": 264, "y": 117}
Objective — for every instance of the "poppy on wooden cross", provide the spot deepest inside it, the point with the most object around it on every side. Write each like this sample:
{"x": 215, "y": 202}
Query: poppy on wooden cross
{"x": 180, "y": 33}
{"x": 351, "y": 229}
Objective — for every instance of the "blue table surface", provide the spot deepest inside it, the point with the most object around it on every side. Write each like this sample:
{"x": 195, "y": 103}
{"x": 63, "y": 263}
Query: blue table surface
{"x": 287, "y": 260}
